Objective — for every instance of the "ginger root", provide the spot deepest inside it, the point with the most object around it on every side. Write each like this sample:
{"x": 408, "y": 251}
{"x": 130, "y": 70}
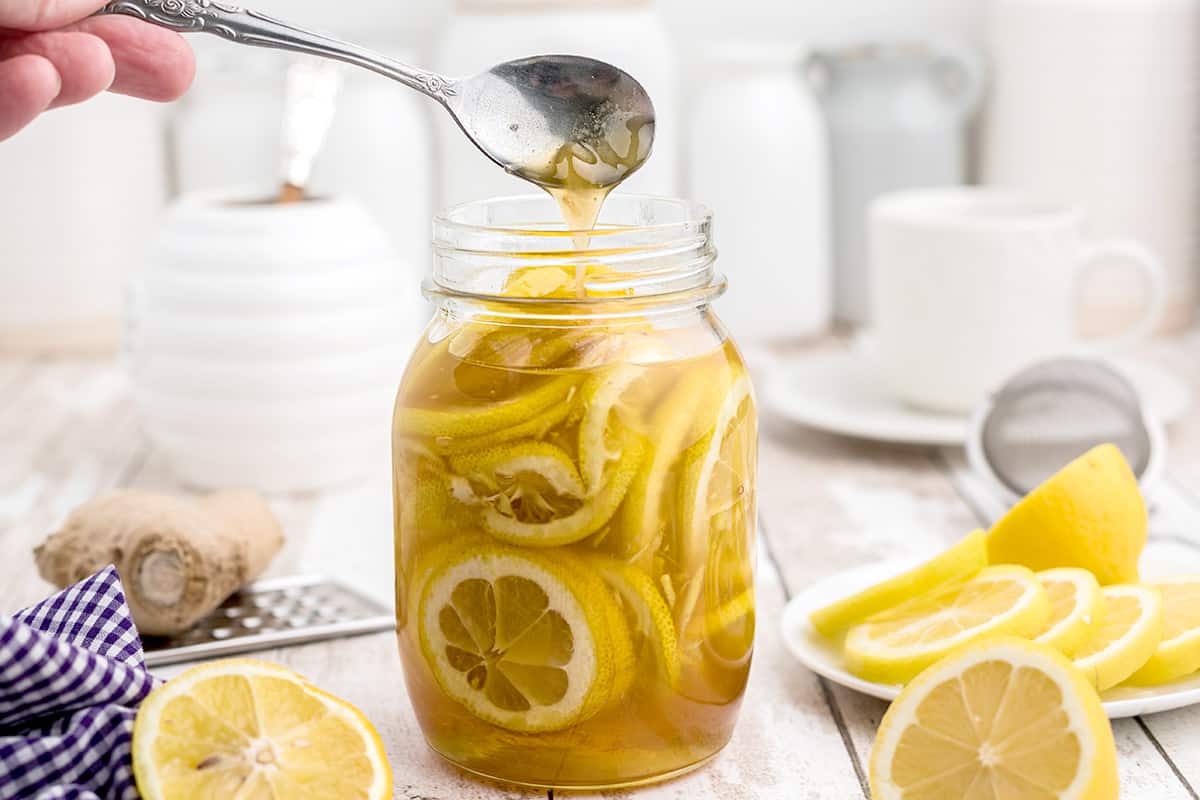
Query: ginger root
{"x": 178, "y": 558}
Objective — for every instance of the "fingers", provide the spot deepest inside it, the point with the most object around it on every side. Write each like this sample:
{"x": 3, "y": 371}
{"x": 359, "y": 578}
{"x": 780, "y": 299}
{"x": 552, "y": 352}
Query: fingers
{"x": 152, "y": 62}
{"x": 44, "y": 15}
{"x": 84, "y": 64}
{"x": 28, "y": 84}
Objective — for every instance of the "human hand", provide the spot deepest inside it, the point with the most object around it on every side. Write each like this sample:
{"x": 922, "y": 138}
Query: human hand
{"x": 53, "y": 54}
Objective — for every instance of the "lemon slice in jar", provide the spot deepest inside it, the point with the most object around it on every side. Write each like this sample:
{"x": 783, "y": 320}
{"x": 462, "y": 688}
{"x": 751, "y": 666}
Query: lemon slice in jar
{"x": 695, "y": 397}
{"x": 605, "y": 397}
{"x": 646, "y": 614}
{"x": 531, "y": 493}
{"x": 446, "y": 424}
{"x": 715, "y": 497}
{"x": 531, "y": 641}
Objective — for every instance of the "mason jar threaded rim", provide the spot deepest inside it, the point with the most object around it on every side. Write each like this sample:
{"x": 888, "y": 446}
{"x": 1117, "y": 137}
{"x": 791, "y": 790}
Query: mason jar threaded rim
{"x": 651, "y": 248}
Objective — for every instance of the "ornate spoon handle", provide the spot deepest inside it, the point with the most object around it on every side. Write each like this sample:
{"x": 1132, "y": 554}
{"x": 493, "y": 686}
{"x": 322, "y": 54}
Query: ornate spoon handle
{"x": 244, "y": 26}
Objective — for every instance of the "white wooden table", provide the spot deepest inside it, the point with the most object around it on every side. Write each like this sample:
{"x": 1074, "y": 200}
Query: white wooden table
{"x": 69, "y": 431}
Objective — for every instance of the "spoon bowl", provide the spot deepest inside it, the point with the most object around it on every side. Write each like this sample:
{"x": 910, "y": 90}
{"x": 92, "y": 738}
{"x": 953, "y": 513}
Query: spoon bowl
{"x": 557, "y": 118}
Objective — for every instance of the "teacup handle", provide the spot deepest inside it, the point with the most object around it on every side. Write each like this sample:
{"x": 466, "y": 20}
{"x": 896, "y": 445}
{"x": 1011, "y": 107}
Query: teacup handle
{"x": 1138, "y": 256}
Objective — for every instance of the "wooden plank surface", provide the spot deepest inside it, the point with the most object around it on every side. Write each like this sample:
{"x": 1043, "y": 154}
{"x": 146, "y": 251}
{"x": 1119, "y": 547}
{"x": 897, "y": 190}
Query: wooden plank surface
{"x": 68, "y": 431}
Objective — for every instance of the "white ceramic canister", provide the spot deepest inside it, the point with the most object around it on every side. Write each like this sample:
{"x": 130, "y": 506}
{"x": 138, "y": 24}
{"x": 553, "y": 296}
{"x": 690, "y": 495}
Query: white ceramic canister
{"x": 378, "y": 150}
{"x": 897, "y": 116}
{"x": 79, "y": 188}
{"x": 627, "y": 33}
{"x": 1097, "y": 102}
{"x": 758, "y": 156}
{"x": 265, "y": 341}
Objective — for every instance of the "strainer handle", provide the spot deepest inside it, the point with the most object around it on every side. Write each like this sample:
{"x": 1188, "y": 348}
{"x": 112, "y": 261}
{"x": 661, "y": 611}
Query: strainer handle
{"x": 1140, "y": 258}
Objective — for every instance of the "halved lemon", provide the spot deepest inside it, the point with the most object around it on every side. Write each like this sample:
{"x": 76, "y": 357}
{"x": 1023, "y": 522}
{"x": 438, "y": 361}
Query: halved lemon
{"x": 646, "y": 614}
{"x": 489, "y": 418}
{"x": 1090, "y": 514}
{"x": 527, "y": 640}
{"x": 892, "y": 647}
{"x": 1128, "y": 635}
{"x": 255, "y": 731}
{"x": 716, "y": 497}
{"x": 1003, "y": 718}
{"x": 532, "y": 494}
{"x": 1178, "y": 653}
{"x": 953, "y": 564}
{"x": 1076, "y": 608}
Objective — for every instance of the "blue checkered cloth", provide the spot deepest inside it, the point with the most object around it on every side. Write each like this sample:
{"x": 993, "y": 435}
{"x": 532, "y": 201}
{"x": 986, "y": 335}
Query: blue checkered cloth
{"x": 71, "y": 678}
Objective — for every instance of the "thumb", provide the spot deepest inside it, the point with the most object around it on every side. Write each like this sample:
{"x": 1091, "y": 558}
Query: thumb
{"x": 44, "y": 15}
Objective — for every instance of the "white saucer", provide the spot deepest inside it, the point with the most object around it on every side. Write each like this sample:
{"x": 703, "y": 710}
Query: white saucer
{"x": 818, "y": 654}
{"x": 838, "y": 392}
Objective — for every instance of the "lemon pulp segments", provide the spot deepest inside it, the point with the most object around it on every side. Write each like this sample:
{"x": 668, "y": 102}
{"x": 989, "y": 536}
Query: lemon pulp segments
{"x": 255, "y": 731}
{"x": 526, "y": 640}
{"x": 959, "y": 562}
{"x": 1000, "y": 718}
{"x": 1126, "y": 638}
{"x": 894, "y": 646}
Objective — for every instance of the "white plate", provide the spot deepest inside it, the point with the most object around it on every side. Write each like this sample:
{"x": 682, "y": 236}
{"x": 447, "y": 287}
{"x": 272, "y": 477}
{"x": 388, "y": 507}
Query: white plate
{"x": 816, "y": 653}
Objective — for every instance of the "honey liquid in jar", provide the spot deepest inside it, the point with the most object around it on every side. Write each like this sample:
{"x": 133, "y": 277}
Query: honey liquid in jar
{"x": 574, "y": 462}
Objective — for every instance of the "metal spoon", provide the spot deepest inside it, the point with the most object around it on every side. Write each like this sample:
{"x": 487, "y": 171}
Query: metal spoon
{"x": 554, "y": 120}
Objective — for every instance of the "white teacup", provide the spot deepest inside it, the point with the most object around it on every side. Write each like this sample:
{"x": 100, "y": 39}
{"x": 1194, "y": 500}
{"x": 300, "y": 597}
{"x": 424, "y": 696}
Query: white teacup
{"x": 970, "y": 284}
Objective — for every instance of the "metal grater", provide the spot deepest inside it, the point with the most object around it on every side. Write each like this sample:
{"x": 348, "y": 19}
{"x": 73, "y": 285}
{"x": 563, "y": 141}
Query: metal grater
{"x": 274, "y": 613}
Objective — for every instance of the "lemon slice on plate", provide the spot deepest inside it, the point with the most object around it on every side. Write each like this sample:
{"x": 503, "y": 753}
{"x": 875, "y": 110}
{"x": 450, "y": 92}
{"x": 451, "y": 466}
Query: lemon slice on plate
{"x": 1001, "y": 718}
{"x": 895, "y": 645}
{"x": 532, "y": 494}
{"x": 1127, "y": 636}
{"x": 956, "y": 563}
{"x": 1076, "y": 608}
{"x": 1178, "y": 653}
{"x": 527, "y": 640}
{"x": 255, "y": 731}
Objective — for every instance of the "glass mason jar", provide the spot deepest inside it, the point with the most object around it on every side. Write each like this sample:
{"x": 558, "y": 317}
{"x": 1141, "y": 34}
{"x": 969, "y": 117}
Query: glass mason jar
{"x": 574, "y": 466}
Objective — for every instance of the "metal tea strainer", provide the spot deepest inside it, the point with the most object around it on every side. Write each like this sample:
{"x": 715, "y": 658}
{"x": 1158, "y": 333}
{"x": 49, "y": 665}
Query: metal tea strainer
{"x": 1053, "y": 411}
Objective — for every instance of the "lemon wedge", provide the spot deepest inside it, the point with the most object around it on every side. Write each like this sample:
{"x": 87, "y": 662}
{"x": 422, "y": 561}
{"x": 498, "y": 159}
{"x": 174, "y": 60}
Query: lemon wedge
{"x": 255, "y": 731}
{"x": 895, "y": 645}
{"x": 1178, "y": 653}
{"x": 1090, "y": 514}
{"x": 527, "y": 640}
{"x": 1003, "y": 718}
{"x": 1128, "y": 635}
{"x": 959, "y": 562}
{"x": 1076, "y": 608}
